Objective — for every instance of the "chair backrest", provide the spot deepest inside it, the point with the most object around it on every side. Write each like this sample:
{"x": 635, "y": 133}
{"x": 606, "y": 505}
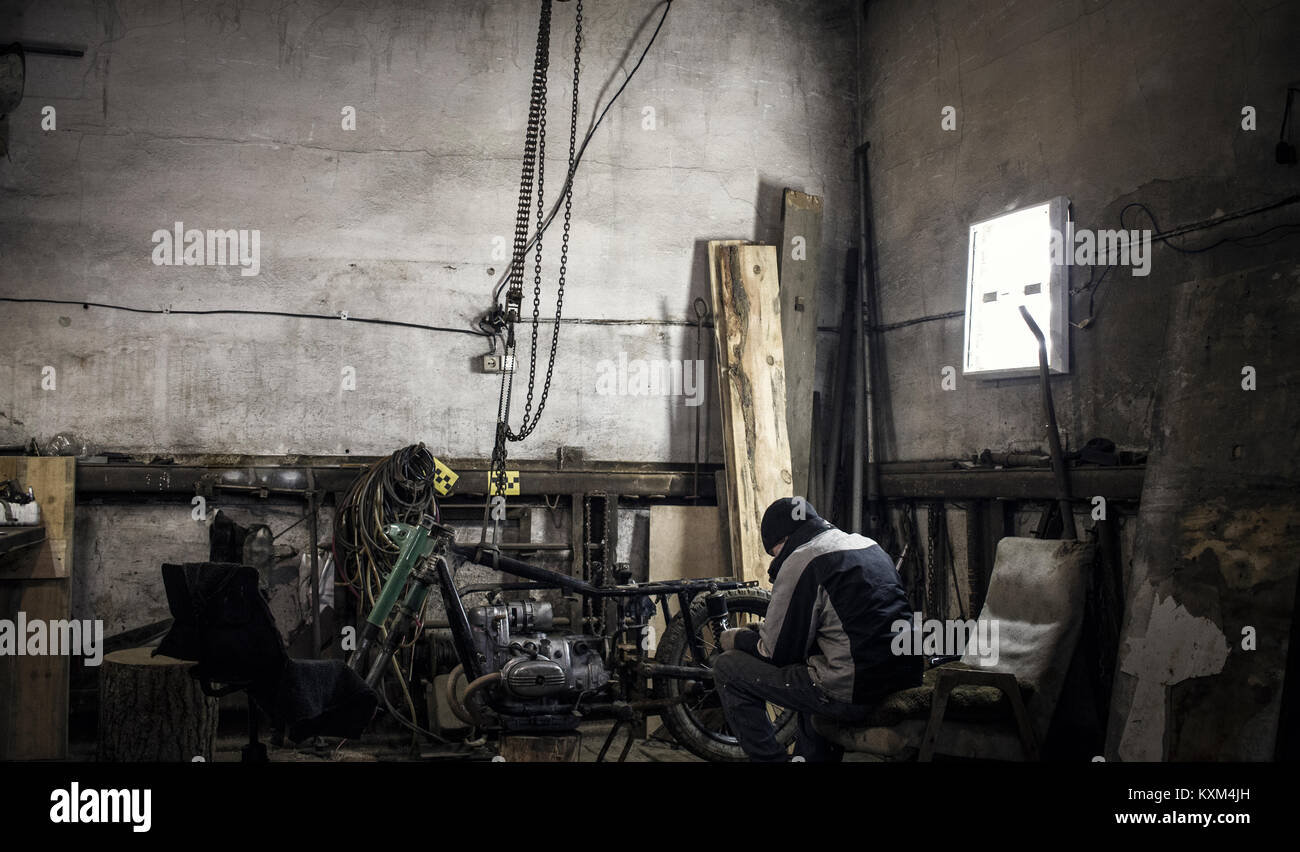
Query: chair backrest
{"x": 223, "y": 622}
{"x": 1035, "y": 603}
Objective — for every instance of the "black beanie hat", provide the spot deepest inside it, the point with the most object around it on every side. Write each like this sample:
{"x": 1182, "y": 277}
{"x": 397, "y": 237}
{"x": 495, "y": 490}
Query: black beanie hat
{"x": 783, "y": 517}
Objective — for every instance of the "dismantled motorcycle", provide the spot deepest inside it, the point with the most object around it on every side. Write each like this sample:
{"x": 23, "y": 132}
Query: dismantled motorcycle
{"x": 516, "y": 673}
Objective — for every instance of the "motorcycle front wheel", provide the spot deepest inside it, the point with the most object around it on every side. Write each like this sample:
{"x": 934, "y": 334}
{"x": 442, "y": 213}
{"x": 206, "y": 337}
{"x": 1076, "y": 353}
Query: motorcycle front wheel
{"x": 697, "y": 722}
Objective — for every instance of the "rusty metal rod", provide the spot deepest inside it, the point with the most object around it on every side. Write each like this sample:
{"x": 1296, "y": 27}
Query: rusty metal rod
{"x": 1053, "y": 435}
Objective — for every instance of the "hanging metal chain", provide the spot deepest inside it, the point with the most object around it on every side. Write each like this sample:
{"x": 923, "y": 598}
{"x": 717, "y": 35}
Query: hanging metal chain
{"x": 593, "y": 567}
{"x": 533, "y": 172}
{"x": 536, "y": 111}
{"x": 913, "y": 563}
{"x": 975, "y": 569}
{"x": 523, "y": 213}
{"x": 933, "y": 518}
{"x": 530, "y": 420}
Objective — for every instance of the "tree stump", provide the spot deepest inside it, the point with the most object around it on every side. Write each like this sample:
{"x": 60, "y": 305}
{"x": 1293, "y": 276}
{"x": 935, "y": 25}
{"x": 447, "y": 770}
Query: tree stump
{"x": 151, "y": 710}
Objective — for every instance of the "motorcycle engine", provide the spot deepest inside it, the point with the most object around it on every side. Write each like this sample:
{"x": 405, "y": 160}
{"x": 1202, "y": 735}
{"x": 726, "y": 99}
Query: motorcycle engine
{"x": 535, "y": 663}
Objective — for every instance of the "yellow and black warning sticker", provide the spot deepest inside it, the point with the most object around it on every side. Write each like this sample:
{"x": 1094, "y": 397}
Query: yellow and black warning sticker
{"x": 512, "y": 483}
{"x": 444, "y": 478}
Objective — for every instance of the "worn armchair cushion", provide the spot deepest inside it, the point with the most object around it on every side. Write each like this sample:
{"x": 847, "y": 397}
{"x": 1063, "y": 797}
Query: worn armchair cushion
{"x": 965, "y": 703}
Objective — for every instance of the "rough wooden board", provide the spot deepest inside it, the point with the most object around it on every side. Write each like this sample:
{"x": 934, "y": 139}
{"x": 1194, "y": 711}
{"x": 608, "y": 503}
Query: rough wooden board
{"x": 801, "y": 216}
{"x": 686, "y": 542}
{"x": 34, "y": 690}
{"x": 757, "y": 447}
{"x": 720, "y": 359}
{"x": 815, "y": 463}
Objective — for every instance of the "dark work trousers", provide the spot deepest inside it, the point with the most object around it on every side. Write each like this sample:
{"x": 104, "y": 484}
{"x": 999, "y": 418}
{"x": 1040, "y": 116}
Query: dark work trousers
{"x": 746, "y": 683}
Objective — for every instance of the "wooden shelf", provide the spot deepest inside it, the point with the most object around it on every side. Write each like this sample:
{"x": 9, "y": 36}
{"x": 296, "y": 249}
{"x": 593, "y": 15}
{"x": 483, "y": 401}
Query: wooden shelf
{"x": 35, "y": 580}
{"x": 13, "y": 538}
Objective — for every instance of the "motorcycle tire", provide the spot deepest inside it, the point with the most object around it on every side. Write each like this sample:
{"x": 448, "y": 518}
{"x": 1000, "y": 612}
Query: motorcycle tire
{"x": 697, "y": 723}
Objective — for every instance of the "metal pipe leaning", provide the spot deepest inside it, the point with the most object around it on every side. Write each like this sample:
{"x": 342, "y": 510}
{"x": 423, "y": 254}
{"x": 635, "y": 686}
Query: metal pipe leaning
{"x": 1053, "y": 436}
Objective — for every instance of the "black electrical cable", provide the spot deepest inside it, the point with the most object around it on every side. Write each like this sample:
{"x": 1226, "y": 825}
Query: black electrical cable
{"x": 407, "y": 723}
{"x": 1286, "y": 113}
{"x": 291, "y": 314}
{"x": 1091, "y": 286}
{"x": 1164, "y": 236}
{"x": 396, "y": 489}
{"x": 1094, "y": 282}
{"x": 905, "y": 323}
{"x": 568, "y": 181}
{"x": 1242, "y": 240}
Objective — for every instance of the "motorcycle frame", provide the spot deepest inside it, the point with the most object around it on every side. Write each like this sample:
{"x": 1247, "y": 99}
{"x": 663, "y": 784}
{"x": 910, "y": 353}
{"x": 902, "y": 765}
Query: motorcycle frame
{"x": 543, "y": 578}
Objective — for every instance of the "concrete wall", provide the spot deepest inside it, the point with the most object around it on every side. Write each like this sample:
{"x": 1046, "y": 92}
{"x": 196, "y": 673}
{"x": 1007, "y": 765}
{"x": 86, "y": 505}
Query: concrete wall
{"x": 119, "y": 548}
{"x": 1104, "y": 103}
{"x": 225, "y": 115}
{"x": 228, "y": 116}
{"x": 1107, "y": 104}
{"x": 1211, "y": 599}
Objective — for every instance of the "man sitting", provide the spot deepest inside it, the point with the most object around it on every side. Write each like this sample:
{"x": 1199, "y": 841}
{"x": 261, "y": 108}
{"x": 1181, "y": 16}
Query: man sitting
{"x": 824, "y": 647}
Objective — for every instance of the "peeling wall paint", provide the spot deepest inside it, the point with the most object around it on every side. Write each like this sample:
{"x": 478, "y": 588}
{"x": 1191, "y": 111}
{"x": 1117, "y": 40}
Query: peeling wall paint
{"x": 1175, "y": 646}
{"x": 1212, "y": 590}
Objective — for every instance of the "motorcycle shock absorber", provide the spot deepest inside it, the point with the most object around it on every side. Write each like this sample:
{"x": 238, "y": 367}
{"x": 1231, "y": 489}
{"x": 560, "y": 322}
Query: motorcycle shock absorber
{"x": 716, "y": 608}
{"x": 419, "y": 546}
{"x": 404, "y": 624}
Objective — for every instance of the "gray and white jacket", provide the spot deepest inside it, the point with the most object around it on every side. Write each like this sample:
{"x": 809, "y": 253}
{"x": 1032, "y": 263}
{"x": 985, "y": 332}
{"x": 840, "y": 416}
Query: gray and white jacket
{"x": 835, "y": 596}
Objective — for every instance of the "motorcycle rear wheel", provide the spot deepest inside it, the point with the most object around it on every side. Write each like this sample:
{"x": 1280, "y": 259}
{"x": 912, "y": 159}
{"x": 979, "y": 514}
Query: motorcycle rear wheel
{"x": 698, "y": 723}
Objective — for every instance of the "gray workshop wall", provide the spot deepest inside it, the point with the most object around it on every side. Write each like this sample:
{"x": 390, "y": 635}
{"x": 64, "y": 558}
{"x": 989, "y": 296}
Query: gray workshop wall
{"x": 225, "y": 115}
{"x": 1104, "y": 103}
{"x": 1107, "y": 104}
{"x": 119, "y": 548}
{"x": 1211, "y": 598}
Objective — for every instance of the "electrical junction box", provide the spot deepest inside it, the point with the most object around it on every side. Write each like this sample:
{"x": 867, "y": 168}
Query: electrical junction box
{"x": 498, "y": 364}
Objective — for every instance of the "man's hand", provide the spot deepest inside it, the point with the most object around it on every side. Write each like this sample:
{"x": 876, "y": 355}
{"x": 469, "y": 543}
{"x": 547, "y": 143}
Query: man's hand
{"x": 729, "y": 638}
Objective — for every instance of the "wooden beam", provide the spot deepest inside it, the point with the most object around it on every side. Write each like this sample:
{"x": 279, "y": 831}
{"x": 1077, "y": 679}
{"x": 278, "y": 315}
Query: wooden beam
{"x": 801, "y": 250}
{"x": 720, "y": 358}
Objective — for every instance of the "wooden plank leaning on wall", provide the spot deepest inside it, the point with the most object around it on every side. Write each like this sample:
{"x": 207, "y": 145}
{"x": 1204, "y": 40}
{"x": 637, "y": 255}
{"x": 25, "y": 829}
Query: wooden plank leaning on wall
{"x": 751, "y": 369}
{"x": 720, "y": 362}
{"x": 801, "y": 251}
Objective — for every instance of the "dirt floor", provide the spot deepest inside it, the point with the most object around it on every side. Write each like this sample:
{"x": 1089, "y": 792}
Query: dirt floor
{"x": 396, "y": 745}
